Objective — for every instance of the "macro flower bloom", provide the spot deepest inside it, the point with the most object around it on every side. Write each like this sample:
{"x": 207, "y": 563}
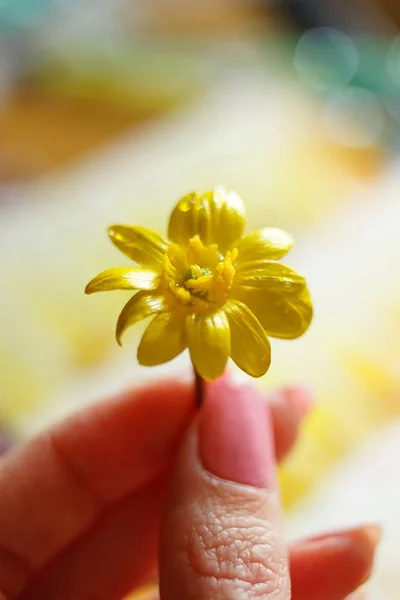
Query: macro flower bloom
{"x": 208, "y": 288}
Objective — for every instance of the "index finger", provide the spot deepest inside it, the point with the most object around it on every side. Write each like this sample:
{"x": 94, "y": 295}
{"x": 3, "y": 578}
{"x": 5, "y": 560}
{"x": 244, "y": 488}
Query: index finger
{"x": 54, "y": 487}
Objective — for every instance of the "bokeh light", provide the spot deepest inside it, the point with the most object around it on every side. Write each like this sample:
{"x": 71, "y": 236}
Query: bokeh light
{"x": 393, "y": 61}
{"x": 353, "y": 117}
{"x": 326, "y": 58}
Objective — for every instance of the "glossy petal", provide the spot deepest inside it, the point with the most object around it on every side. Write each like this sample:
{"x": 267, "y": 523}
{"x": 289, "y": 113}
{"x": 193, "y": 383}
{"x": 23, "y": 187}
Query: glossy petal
{"x": 250, "y": 347}
{"x": 124, "y": 278}
{"x": 141, "y": 306}
{"x": 216, "y": 217}
{"x": 231, "y": 223}
{"x": 284, "y": 316}
{"x": 142, "y": 245}
{"x": 209, "y": 343}
{"x": 163, "y": 339}
{"x": 268, "y": 276}
{"x": 266, "y": 244}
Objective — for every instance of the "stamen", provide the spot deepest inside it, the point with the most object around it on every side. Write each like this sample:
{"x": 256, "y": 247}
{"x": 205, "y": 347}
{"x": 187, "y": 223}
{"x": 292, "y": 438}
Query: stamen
{"x": 198, "y": 275}
{"x": 196, "y": 272}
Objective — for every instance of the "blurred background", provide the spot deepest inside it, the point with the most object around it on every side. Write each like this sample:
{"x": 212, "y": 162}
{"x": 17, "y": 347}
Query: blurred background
{"x": 109, "y": 111}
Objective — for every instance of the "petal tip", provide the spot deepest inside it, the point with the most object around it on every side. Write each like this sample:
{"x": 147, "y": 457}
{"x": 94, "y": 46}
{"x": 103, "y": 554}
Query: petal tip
{"x": 111, "y": 231}
{"x": 141, "y": 358}
{"x": 119, "y": 332}
{"x": 89, "y": 288}
{"x": 259, "y": 374}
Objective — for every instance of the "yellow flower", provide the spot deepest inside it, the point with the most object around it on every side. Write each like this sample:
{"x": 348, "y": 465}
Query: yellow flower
{"x": 208, "y": 288}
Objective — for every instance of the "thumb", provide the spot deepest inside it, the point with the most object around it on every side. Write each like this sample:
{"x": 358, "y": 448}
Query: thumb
{"x": 222, "y": 536}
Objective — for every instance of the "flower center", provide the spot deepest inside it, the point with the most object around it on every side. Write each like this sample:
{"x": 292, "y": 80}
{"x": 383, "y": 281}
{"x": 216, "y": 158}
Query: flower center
{"x": 198, "y": 275}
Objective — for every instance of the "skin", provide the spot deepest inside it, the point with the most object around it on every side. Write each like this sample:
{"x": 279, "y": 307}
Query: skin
{"x": 84, "y": 505}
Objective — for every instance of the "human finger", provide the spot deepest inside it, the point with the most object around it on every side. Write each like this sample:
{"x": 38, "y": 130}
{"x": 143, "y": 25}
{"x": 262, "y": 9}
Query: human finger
{"x": 65, "y": 478}
{"x": 222, "y": 533}
{"x": 333, "y": 565}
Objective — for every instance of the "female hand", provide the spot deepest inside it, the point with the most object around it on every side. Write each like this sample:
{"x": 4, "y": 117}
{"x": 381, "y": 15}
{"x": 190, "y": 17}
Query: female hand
{"x": 83, "y": 504}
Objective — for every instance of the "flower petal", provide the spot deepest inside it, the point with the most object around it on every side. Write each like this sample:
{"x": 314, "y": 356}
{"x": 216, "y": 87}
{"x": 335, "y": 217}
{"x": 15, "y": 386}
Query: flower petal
{"x": 124, "y": 278}
{"x": 163, "y": 339}
{"x": 266, "y": 244}
{"x": 209, "y": 343}
{"x": 232, "y": 221}
{"x": 142, "y": 245}
{"x": 216, "y": 217}
{"x": 284, "y": 316}
{"x": 268, "y": 276}
{"x": 250, "y": 347}
{"x": 141, "y": 306}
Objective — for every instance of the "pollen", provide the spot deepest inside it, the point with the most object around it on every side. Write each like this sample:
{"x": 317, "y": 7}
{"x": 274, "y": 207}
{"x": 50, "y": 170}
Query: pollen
{"x": 182, "y": 295}
{"x": 222, "y": 279}
{"x": 198, "y": 275}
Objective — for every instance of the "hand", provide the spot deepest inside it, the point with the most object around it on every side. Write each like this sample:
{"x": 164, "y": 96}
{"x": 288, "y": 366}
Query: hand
{"x": 82, "y": 505}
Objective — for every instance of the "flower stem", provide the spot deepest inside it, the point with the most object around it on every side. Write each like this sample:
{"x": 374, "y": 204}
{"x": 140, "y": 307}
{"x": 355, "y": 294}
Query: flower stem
{"x": 198, "y": 390}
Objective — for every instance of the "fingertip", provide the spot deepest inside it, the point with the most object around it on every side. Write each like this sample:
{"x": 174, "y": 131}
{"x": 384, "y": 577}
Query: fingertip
{"x": 300, "y": 398}
{"x": 235, "y": 434}
{"x": 372, "y": 533}
{"x": 289, "y": 407}
{"x": 333, "y": 565}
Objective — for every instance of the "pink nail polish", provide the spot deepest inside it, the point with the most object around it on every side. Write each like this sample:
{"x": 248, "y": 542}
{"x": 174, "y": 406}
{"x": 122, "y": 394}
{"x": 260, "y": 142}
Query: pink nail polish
{"x": 235, "y": 435}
